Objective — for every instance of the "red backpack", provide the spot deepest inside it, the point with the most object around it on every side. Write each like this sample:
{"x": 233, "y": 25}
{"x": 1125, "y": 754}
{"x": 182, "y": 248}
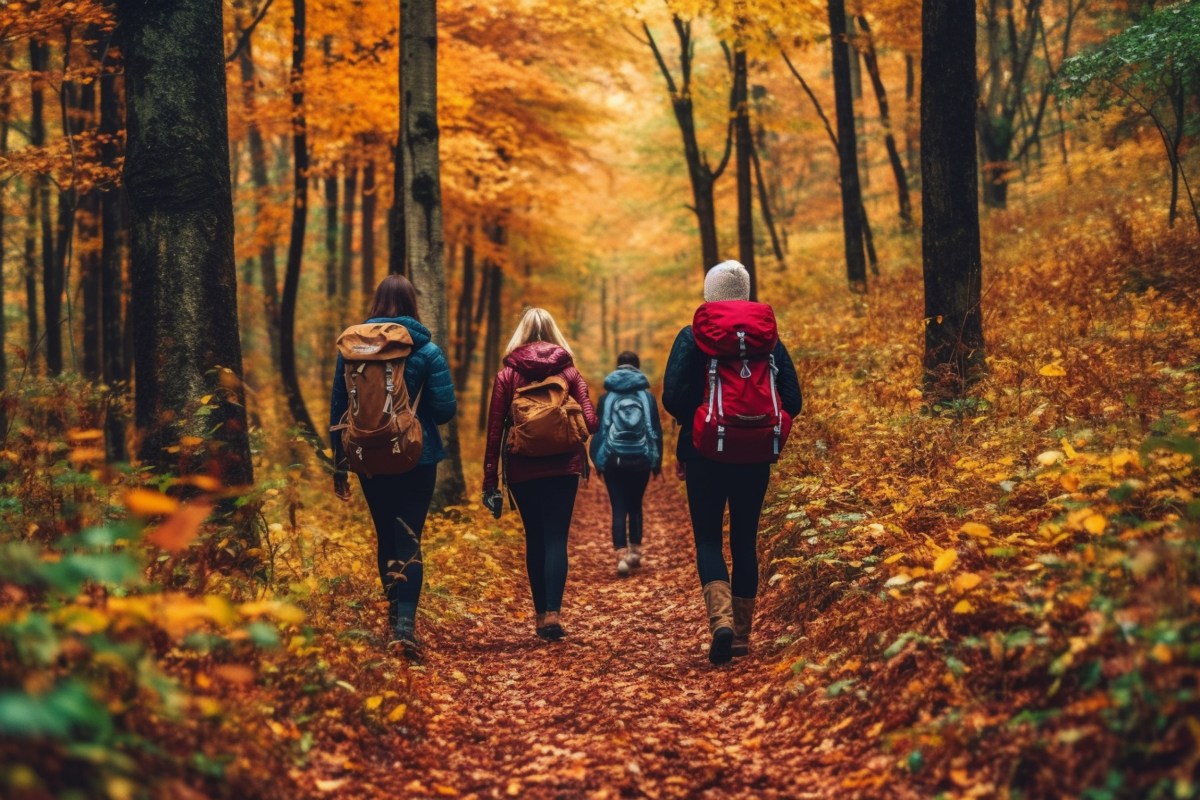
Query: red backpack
{"x": 740, "y": 421}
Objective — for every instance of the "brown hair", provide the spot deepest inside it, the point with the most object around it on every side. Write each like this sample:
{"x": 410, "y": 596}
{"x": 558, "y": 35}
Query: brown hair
{"x": 395, "y": 297}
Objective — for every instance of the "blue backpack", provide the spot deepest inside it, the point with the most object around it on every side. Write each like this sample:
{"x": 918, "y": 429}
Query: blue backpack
{"x": 629, "y": 441}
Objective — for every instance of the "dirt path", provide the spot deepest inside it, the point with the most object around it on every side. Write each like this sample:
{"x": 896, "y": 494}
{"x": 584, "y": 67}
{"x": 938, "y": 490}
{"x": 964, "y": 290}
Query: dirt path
{"x": 626, "y": 705}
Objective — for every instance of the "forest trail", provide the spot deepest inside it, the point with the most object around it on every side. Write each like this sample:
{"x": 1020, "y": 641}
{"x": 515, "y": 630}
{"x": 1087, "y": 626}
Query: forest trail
{"x": 626, "y": 705}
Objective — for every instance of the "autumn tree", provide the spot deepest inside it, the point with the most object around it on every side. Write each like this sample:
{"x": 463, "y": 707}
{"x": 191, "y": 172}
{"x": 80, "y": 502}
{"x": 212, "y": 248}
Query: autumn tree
{"x": 424, "y": 240}
{"x": 187, "y": 351}
{"x": 949, "y": 201}
{"x": 852, "y": 214}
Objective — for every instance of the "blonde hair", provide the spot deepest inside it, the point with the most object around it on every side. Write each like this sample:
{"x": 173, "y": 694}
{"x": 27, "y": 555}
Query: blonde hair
{"x": 537, "y": 325}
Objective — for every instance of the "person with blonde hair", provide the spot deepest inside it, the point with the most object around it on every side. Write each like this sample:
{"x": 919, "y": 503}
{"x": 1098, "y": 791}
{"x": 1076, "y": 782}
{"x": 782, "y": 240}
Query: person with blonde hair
{"x": 539, "y": 418}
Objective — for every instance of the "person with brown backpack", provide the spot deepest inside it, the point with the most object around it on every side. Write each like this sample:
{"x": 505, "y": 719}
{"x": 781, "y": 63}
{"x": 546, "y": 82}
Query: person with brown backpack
{"x": 731, "y": 385}
{"x": 391, "y": 389}
{"x": 538, "y": 421}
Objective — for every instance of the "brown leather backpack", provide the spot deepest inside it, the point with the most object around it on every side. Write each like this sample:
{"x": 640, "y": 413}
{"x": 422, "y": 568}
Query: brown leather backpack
{"x": 545, "y": 420}
{"x": 381, "y": 434}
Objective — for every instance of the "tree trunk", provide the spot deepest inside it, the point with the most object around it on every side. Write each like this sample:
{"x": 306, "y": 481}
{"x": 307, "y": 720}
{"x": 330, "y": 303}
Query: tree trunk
{"x": 950, "y": 201}
{"x": 397, "y": 259}
{"x": 349, "y": 200}
{"x": 32, "y": 213}
{"x": 871, "y": 61}
{"x": 39, "y": 61}
{"x": 744, "y": 148}
{"x": 856, "y": 94}
{"x": 89, "y": 261}
{"x": 187, "y": 352}
{"x": 424, "y": 237}
{"x": 852, "y": 228}
{"x": 5, "y": 110}
{"x": 464, "y": 347}
{"x": 291, "y": 279}
{"x": 491, "y": 343}
{"x": 369, "y": 201}
{"x": 910, "y": 92}
{"x": 331, "y": 234}
{"x": 112, "y": 275}
{"x": 701, "y": 175}
{"x": 764, "y": 200}
{"x": 267, "y": 259}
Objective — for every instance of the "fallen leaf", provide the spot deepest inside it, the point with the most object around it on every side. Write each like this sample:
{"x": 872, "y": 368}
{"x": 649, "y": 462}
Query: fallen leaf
{"x": 945, "y": 561}
{"x": 149, "y": 503}
{"x": 181, "y": 528}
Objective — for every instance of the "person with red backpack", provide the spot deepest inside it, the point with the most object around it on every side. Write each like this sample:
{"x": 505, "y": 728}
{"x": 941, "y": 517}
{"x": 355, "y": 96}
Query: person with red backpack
{"x": 732, "y": 387}
{"x": 539, "y": 418}
{"x": 626, "y": 450}
{"x": 391, "y": 389}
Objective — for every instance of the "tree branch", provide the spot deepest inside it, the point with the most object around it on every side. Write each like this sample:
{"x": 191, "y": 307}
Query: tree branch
{"x": 244, "y": 35}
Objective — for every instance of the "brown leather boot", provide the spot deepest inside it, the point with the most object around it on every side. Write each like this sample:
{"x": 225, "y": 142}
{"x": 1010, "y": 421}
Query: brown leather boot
{"x": 718, "y": 599}
{"x": 743, "y": 618}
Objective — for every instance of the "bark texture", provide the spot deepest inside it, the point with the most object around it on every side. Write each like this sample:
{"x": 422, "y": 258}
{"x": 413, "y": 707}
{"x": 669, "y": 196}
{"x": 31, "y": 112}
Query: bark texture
{"x": 424, "y": 238}
{"x": 852, "y": 211}
{"x": 112, "y": 271}
{"x": 181, "y": 203}
{"x": 950, "y": 200}
{"x": 743, "y": 149}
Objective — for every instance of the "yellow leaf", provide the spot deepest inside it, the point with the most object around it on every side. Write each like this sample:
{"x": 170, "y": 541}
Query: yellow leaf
{"x": 1161, "y": 653}
{"x": 893, "y": 558}
{"x": 373, "y": 702}
{"x": 190, "y": 441}
{"x": 963, "y": 607}
{"x": 1070, "y": 451}
{"x": 149, "y": 503}
{"x": 976, "y": 529}
{"x": 398, "y": 713}
{"x": 1053, "y": 370}
{"x": 945, "y": 561}
{"x": 181, "y": 528}
{"x": 444, "y": 790}
{"x": 80, "y": 435}
{"x": 967, "y": 581}
{"x": 1095, "y": 524}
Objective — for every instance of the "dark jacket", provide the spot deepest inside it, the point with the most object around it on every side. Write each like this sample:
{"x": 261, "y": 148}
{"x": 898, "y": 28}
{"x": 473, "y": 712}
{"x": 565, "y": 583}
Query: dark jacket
{"x": 528, "y": 363}
{"x": 684, "y": 387}
{"x": 627, "y": 378}
{"x": 426, "y": 368}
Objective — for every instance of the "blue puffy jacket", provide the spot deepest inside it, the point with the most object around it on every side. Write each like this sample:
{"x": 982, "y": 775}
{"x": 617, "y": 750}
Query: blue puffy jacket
{"x": 625, "y": 379}
{"x": 426, "y": 368}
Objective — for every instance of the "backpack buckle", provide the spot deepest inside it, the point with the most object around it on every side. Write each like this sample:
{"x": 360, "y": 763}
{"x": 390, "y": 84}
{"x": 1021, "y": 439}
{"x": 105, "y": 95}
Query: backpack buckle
{"x": 742, "y": 345}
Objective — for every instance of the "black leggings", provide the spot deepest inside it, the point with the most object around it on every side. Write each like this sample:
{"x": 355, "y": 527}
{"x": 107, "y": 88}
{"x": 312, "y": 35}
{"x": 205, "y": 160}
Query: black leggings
{"x": 399, "y": 504}
{"x": 625, "y": 491}
{"x": 710, "y": 485}
{"x": 546, "y": 505}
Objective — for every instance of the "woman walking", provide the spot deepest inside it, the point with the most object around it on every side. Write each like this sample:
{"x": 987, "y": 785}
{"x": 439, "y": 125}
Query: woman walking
{"x": 398, "y": 479}
{"x": 732, "y": 387}
{"x": 539, "y": 418}
{"x": 627, "y": 449}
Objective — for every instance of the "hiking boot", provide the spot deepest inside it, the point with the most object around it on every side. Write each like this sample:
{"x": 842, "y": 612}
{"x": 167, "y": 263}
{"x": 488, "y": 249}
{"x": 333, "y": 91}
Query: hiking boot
{"x": 550, "y": 628}
{"x": 404, "y": 636}
{"x": 623, "y": 565}
{"x": 743, "y": 618}
{"x": 635, "y": 556}
{"x": 718, "y": 600}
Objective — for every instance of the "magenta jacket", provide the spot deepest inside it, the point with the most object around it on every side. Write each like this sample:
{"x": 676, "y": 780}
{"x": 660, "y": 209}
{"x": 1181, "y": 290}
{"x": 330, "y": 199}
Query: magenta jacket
{"x": 528, "y": 363}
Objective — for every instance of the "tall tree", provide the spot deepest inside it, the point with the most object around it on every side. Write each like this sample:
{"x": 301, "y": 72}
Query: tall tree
{"x": 5, "y": 110}
{"x": 950, "y": 200}
{"x": 291, "y": 279}
{"x": 852, "y": 213}
{"x": 259, "y": 177}
{"x": 112, "y": 277}
{"x": 424, "y": 237}
{"x": 701, "y": 173}
{"x": 369, "y": 201}
{"x": 39, "y": 63}
{"x": 871, "y": 62}
{"x": 744, "y": 150}
{"x": 349, "y": 200}
{"x": 89, "y": 229}
{"x": 187, "y": 352}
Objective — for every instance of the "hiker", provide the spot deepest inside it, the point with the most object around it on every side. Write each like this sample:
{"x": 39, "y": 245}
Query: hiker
{"x": 731, "y": 385}
{"x": 397, "y": 479}
{"x": 626, "y": 450}
{"x": 539, "y": 418}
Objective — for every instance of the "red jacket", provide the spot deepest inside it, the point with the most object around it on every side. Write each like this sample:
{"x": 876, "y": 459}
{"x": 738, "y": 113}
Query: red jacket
{"x": 528, "y": 363}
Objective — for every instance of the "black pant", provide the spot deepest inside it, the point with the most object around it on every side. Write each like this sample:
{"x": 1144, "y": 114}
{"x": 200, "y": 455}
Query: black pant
{"x": 626, "y": 488}
{"x": 710, "y": 485}
{"x": 546, "y": 505}
{"x": 399, "y": 504}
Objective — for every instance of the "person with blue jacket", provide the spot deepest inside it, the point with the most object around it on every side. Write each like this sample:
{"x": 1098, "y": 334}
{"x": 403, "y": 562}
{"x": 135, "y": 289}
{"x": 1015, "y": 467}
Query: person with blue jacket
{"x": 400, "y": 503}
{"x": 626, "y": 450}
